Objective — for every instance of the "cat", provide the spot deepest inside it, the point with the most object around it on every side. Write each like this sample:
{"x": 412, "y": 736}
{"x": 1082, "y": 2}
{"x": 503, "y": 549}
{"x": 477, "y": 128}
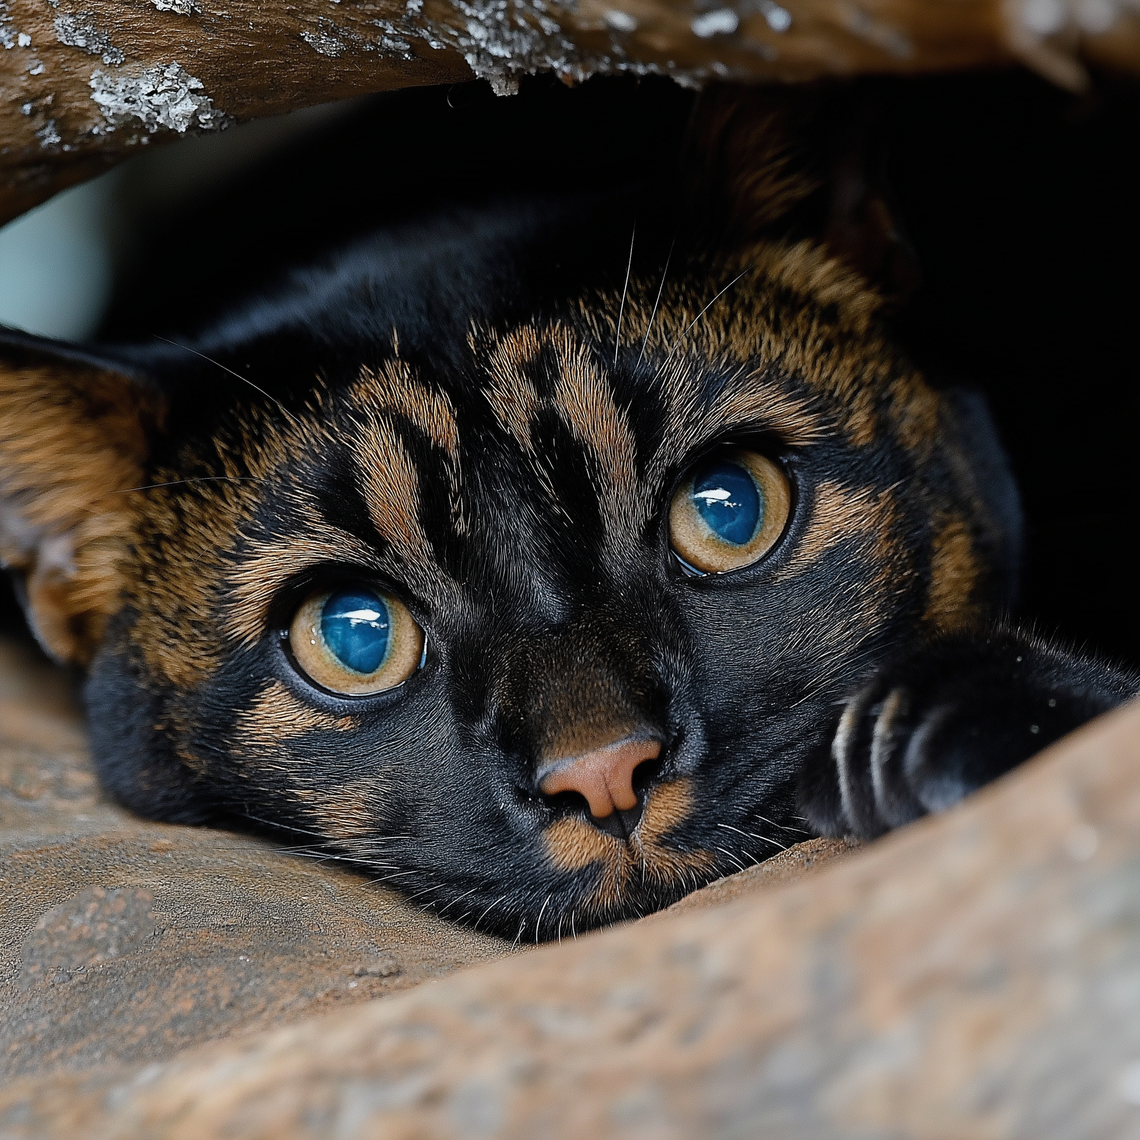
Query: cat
{"x": 547, "y": 563}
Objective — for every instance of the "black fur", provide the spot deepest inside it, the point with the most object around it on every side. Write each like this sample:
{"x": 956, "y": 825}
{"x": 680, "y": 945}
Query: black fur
{"x": 931, "y": 727}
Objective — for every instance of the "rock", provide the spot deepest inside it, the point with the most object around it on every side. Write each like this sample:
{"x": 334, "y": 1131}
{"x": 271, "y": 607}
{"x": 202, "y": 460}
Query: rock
{"x": 82, "y": 89}
{"x": 797, "y": 863}
{"x": 976, "y": 974}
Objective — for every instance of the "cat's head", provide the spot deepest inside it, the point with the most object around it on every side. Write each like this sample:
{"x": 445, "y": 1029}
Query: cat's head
{"x": 524, "y": 579}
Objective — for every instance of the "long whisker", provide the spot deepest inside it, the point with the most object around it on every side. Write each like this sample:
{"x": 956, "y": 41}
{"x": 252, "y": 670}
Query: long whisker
{"x": 388, "y": 878}
{"x": 656, "y": 302}
{"x": 783, "y": 826}
{"x": 488, "y": 911}
{"x": 426, "y": 890}
{"x": 754, "y": 835}
{"x": 729, "y": 827}
{"x": 624, "y": 292}
{"x": 460, "y": 898}
{"x": 336, "y": 857}
{"x": 538, "y": 921}
{"x": 282, "y": 826}
{"x": 731, "y": 858}
{"x": 693, "y": 322}
{"x": 192, "y": 479}
{"x": 235, "y": 375}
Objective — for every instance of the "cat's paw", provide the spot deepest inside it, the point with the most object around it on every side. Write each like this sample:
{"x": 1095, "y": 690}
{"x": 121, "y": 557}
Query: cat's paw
{"x": 930, "y": 728}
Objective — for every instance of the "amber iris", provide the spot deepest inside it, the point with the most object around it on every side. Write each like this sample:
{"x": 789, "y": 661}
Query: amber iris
{"x": 729, "y": 511}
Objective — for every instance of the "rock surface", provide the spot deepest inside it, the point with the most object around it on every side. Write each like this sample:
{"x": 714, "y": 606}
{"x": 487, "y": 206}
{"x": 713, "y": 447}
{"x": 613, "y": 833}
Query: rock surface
{"x": 974, "y": 975}
{"x": 84, "y": 83}
{"x": 124, "y": 942}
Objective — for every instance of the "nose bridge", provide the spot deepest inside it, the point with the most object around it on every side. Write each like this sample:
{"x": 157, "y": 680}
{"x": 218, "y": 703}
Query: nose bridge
{"x": 578, "y": 697}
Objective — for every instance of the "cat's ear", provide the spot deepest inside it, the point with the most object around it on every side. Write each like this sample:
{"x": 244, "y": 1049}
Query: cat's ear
{"x": 75, "y": 433}
{"x": 796, "y": 162}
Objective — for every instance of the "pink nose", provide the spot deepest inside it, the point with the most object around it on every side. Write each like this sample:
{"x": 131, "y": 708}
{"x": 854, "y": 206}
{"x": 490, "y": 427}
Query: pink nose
{"x": 603, "y": 775}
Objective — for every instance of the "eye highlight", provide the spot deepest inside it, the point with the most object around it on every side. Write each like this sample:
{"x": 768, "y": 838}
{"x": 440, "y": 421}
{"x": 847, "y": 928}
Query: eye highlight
{"x": 729, "y": 511}
{"x": 355, "y": 640}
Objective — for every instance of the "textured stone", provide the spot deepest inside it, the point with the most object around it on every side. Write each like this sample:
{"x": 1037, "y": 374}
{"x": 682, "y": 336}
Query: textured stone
{"x": 976, "y": 974}
{"x": 128, "y": 941}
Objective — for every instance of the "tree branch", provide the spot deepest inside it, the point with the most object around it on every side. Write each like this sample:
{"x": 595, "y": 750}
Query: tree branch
{"x": 85, "y": 83}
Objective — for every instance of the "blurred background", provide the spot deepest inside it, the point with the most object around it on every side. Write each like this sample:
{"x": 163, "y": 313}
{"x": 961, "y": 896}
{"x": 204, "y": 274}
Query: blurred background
{"x": 1022, "y": 201}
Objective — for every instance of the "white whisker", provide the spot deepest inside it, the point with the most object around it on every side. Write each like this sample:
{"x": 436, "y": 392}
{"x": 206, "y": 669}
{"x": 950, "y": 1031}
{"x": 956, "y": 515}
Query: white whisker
{"x": 656, "y": 302}
{"x": 538, "y": 921}
{"x": 191, "y": 479}
{"x": 460, "y": 898}
{"x": 624, "y": 291}
{"x": 235, "y": 375}
{"x": 488, "y": 911}
{"x": 731, "y": 858}
{"x": 693, "y": 322}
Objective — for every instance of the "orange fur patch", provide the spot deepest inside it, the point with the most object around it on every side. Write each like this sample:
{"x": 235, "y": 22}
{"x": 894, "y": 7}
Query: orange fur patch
{"x": 350, "y": 811}
{"x": 954, "y": 573}
{"x": 794, "y": 311}
{"x": 394, "y": 390}
{"x": 72, "y": 444}
{"x": 747, "y": 400}
{"x": 915, "y": 409}
{"x": 573, "y": 844}
{"x": 512, "y": 397}
{"x": 837, "y": 513}
{"x": 269, "y": 565}
{"x": 174, "y": 586}
{"x": 278, "y": 716}
{"x": 391, "y": 489}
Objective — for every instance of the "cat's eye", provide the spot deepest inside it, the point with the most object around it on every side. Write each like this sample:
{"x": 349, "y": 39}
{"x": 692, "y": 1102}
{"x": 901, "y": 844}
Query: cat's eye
{"x": 355, "y": 640}
{"x": 729, "y": 511}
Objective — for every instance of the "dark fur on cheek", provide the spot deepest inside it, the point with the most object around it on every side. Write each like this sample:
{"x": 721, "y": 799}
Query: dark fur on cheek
{"x": 133, "y": 739}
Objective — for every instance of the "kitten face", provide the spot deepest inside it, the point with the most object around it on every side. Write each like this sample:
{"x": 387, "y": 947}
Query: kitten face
{"x": 508, "y": 507}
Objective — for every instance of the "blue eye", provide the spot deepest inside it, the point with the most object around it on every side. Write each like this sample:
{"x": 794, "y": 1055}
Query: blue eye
{"x": 355, "y": 640}
{"x": 730, "y": 502}
{"x": 729, "y": 511}
{"x": 355, "y": 626}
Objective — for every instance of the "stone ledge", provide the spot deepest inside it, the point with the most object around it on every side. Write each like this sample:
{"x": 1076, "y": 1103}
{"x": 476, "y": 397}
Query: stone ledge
{"x": 976, "y": 974}
{"x": 124, "y": 941}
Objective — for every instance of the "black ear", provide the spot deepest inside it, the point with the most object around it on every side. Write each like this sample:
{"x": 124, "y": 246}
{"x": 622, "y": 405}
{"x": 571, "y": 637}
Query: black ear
{"x": 75, "y": 433}
{"x": 797, "y": 162}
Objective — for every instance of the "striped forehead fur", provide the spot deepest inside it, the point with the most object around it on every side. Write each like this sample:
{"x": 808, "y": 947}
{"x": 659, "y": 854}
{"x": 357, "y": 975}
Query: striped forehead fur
{"x": 715, "y": 365}
{"x": 697, "y": 411}
{"x": 383, "y": 396}
{"x": 796, "y": 308}
{"x": 393, "y": 389}
{"x": 580, "y": 394}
